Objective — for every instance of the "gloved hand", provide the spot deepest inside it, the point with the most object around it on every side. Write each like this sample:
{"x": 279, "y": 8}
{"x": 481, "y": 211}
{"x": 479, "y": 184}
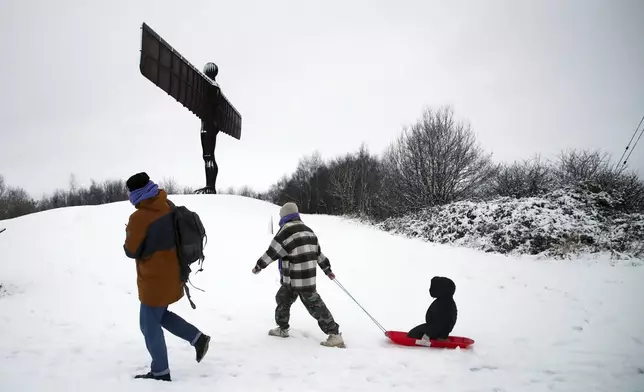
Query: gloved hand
{"x": 331, "y": 276}
{"x": 256, "y": 270}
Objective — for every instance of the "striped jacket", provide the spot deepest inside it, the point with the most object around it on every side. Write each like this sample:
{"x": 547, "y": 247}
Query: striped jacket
{"x": 297, "y": 246}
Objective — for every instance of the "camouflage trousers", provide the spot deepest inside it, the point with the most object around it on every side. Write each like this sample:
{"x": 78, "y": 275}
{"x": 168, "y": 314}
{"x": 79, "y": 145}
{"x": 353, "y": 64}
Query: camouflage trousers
{"x": 313, "y": 303}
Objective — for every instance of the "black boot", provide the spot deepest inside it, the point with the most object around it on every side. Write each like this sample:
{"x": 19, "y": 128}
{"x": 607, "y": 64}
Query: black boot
{"x": 201, "y": 346}
{"x": 150, "y": 376}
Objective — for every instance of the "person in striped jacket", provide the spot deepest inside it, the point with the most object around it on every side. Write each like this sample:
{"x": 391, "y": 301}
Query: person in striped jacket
{"x": 297, "y": 248}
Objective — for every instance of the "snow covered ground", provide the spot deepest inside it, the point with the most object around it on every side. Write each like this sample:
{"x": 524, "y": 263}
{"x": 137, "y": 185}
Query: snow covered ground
{"x": 69, "y": 312}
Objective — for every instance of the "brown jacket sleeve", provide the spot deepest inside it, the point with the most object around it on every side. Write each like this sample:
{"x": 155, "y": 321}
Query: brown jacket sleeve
{"x": 134, "y": 238}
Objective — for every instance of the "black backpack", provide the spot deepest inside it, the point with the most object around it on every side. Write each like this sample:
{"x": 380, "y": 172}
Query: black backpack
{"x": 190, "y": 240}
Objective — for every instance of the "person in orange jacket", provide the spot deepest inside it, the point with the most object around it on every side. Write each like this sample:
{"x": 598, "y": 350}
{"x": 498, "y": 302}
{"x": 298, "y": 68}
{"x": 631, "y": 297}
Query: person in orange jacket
{"x": 150, "y": 241}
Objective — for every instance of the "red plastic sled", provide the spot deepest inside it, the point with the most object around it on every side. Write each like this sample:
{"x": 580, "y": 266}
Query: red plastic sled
{"x": 453, "y": 342}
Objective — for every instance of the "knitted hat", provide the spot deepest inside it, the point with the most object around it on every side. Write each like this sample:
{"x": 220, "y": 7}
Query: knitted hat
{"x": 288, "y": 209}
{"x": 137, "y": 181}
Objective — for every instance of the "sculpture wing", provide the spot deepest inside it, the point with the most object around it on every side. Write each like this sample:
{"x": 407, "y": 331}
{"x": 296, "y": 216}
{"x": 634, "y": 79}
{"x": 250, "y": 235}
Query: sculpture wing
{"x": 169, "y": 70}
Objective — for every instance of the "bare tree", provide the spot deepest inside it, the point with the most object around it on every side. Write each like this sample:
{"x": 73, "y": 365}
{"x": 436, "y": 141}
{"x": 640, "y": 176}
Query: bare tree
{"x": 16, "y": 202}
{"x": 303, "y": 185}
{"x": 355, "y": 180}
{"x": 74, "y": 195}
{"x": 343, "y": 182}
{"x": 169, "y": 184}
{"x": 435, "y": 161}
{"x": 369, "y": 181}
{"x": 3, "y": 186}
{"x": 73, "y": 184}
{"x": 274, "y": 193}
{"x": 304, "y": 181}
{"x": 95, "y": 194}
{"x": 247, "y": 191}
{"x": 115, "y": 190}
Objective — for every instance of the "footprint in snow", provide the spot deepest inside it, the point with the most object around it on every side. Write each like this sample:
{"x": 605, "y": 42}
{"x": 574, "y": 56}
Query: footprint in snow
{"x": 485, "y": 367}
{"x": 578, "y": 328}
{"x": 562, "y": 343}
{"x": 521, "y": 340}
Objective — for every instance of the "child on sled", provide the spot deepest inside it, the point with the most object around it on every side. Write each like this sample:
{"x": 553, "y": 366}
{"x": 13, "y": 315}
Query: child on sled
{"x": 442, "y": 313}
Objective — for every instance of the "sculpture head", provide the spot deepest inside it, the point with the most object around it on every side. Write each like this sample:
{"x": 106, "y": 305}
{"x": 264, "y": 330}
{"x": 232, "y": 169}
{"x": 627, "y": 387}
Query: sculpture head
{"x": 211, "y": 70}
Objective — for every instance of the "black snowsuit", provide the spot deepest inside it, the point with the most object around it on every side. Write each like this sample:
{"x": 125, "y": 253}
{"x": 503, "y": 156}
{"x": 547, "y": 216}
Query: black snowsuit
{"x": 441, "y": 315}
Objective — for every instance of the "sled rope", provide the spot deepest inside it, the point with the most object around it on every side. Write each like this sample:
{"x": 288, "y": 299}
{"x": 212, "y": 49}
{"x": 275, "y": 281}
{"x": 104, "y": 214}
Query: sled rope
{"x": 354, "y": 300}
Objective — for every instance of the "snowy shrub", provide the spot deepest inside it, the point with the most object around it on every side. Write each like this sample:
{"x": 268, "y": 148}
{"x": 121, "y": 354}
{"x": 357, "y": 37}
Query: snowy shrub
{"x": 574, "y": 166}
{"x": 593, "y": 171}
{"x": 559, "y": 224}
{"x": 523, "y": 179}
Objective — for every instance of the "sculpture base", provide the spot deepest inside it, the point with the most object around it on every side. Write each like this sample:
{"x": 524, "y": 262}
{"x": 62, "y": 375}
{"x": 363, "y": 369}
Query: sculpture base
{"x": 206, "y": 191}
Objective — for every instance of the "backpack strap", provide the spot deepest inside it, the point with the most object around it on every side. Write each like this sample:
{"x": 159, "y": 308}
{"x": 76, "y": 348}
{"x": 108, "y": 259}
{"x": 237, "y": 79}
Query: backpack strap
{"x": 187, "y": 290}
{"x": 185, "y": 286}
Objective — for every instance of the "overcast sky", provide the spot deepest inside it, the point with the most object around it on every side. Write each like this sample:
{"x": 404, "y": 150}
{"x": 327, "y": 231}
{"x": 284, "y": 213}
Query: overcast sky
{"x": 529, "y": 76}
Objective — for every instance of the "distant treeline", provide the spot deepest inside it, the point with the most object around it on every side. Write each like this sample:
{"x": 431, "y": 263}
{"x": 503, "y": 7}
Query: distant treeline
{"x": 15, "y": 201}
{"x": 435, "y": 161}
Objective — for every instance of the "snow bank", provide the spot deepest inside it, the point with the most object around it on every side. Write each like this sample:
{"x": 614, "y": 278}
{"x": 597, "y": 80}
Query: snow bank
{"x": 70, "y": 319}
{"x": 562, "y": 224}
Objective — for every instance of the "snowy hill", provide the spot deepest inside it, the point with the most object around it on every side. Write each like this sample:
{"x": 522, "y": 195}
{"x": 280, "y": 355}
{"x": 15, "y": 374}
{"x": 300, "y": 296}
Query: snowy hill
{"x": 69, "y": 313}
{"x": 565, "y": 223}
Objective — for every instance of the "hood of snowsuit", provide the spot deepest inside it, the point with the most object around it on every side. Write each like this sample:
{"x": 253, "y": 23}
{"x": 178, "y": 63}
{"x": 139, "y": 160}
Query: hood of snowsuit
{"x": 442, "y": 287}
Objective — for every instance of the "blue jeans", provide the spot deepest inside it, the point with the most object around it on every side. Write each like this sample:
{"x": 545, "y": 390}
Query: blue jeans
{"x": 151, "y": 320}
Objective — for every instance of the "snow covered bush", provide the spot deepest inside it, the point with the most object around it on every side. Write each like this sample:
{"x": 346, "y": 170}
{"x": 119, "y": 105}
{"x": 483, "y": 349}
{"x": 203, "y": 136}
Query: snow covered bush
{"x": 559, "y": 224}
{"x": 594, "y": 170}
{"x": 532, "y": 177}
